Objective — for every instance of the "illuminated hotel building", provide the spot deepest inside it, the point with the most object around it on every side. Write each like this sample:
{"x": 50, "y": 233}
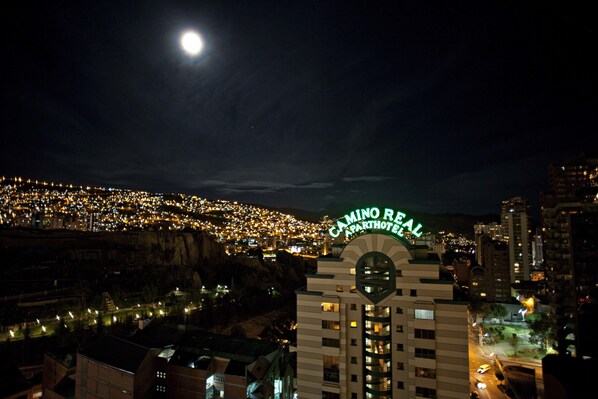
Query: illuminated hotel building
{"x": 379, "y": 322}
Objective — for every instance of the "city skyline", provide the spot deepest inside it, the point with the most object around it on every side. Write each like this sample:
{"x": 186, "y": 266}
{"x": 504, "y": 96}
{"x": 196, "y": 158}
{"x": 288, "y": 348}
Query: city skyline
{"x": 432, "y": 108}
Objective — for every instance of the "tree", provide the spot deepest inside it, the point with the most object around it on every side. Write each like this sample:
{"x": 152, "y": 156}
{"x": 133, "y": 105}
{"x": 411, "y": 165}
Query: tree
{"x": 496, "y": 310}
{"x": 514, "y": 341}
{"x": 540, "y": 331}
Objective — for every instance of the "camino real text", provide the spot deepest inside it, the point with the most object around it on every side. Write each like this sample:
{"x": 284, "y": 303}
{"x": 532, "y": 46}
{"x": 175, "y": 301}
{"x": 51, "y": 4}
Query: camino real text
{"x": 388, "y": 220}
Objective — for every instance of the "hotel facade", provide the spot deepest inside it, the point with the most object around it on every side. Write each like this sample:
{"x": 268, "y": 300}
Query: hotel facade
{"x": 377, "y": 321}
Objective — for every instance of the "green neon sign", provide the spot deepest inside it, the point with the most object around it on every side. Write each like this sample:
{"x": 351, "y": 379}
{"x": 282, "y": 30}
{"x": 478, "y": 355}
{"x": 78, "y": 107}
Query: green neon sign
{"x": 389, "y": 220}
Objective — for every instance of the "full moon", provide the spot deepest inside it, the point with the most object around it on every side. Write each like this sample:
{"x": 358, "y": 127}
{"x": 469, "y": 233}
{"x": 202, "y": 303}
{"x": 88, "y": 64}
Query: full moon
{"x": 191, "y": 43}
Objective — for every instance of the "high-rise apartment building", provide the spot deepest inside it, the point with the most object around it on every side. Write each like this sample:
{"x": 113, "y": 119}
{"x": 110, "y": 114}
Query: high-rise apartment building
{"x": 379, "y": 322}
{"x": 570, "y": 229}
{"x": 537, "y": 252}
{"x": 497, "y": 271}
{"x": 515, "y": 222}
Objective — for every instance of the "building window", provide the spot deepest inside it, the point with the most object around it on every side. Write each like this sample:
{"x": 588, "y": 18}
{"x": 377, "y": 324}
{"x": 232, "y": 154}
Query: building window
{"x": 353, "y": 288}
{"x": 331, "y": 368}
{"x": 399, "y": 328}
{"x": 353, "y": 360}
{"x": 425, "y": 372}
{"x": 399, "y": 273}
{"x": 399, "y": 310}
{"x": 399, "y": 291}
{"x": 352, "y": 271}
{"x": 400, "y": 347}
{"x": 425, "y": 334}
{"x": 353, "y": 324}
{"x": 353, "y": 306}
{"x": 339, "y": 288}
{"x": 330, "y": 307}
{"x": 353, "y": 342}
{"x": 353, "y": 395}
{"x": 425, "y": 392}
{"x": 413, "y": 293}
{"x": 400, "y": 366}
{"x": 375, "y": 276}
{"x": 330, "y": 395}
{"x": 331, "y": 325}
{"x": 400, "y": 385}
{"x": 425, "y": 353}
{"x": 353, "y": 377}
{"x": 424, "y": 314}
{"x": 331, "y": 342}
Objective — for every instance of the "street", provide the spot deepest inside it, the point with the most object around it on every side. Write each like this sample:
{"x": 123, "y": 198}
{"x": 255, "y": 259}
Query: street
{"x": 477, "y": 357}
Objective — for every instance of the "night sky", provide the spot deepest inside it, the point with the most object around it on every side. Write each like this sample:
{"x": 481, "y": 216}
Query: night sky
{"x": 451, "y": 106}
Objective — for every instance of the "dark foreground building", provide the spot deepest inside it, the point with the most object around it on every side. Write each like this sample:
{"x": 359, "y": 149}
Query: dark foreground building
{"x": 173, "y": 361}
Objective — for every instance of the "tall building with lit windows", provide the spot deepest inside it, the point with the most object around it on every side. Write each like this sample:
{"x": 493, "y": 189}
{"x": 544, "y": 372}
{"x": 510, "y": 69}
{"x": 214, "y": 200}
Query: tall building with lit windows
{"x": 570, "y": 236}
{"x": 379, "y": 322}
{"x": 515, "y": 222}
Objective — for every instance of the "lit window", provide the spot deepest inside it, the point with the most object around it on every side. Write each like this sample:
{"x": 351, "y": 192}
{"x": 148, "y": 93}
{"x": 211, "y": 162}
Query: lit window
{"x": 353, "y": 324}
{"x": 424, "y": 314}
{"x": 331, "y": 325}
{"x": 331, "y": 368}
{"x": 425, "y": 372}
{"x": 353, "y": 288}
{"x": 399, "y": 328}
{"x": 330, "y": 307}
{"x": 483, "y": 294}
{"x": 352, "y": 271}
{"x": 339, "y": 288}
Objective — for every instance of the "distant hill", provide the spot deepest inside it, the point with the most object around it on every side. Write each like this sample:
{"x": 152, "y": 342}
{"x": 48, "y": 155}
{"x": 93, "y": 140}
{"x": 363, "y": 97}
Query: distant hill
{"x": 454, "y": 222}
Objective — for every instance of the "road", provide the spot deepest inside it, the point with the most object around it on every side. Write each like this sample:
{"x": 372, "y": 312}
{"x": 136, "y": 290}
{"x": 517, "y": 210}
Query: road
{"x": 477, "y": 357}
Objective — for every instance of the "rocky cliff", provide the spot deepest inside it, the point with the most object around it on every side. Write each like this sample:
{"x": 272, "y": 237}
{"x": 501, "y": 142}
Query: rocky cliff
{"x": 126, "y": 248}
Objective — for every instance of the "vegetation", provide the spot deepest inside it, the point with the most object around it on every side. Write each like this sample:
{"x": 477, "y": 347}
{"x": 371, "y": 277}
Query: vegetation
{"x": 495, "y": 311}
{"x": 540, "y": 331}
{"x": 514, "y": 342}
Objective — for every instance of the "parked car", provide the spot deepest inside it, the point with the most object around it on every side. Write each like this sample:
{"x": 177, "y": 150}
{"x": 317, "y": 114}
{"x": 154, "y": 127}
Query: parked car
{"x": 483, "y": 368}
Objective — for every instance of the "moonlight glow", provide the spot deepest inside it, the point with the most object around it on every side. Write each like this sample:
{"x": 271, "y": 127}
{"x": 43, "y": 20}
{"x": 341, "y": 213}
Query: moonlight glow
{"x": 191, "y": 43}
